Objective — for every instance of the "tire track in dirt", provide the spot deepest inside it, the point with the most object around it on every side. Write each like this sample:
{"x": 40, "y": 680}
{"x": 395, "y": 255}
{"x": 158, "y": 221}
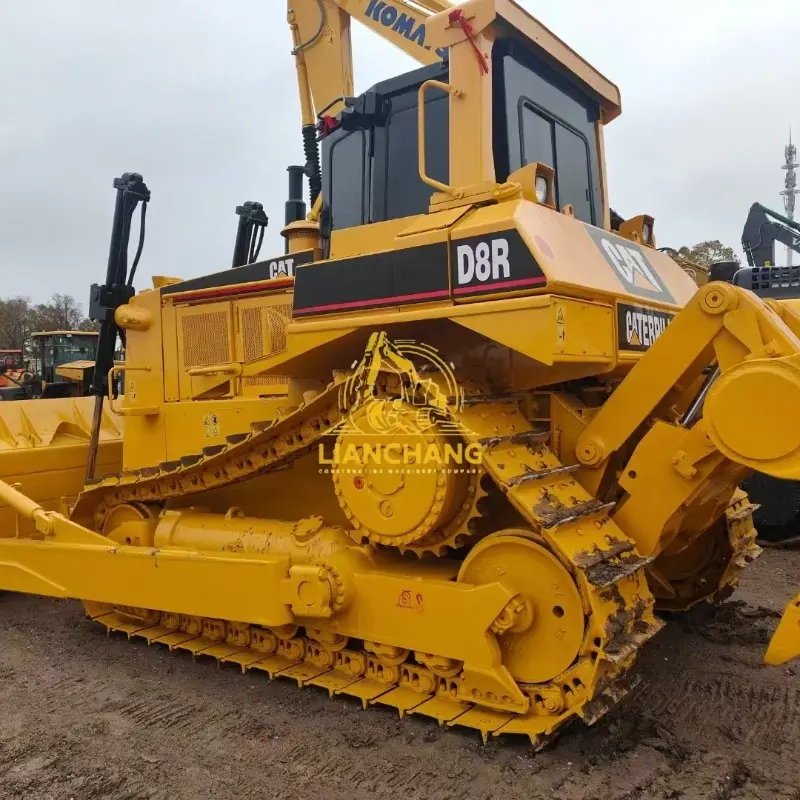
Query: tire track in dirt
{"x": 745, "y": 712}
{"x": 163, "y": 714}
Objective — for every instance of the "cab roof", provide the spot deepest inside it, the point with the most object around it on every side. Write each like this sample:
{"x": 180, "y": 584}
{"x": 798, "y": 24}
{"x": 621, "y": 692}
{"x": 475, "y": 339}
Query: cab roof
{"x": 522, "y": 25}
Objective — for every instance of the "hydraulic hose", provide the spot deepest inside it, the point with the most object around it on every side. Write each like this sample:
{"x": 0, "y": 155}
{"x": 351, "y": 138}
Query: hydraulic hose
{"x": 311, "y": 150}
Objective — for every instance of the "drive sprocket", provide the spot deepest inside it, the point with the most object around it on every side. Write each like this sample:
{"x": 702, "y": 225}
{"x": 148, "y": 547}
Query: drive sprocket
{"x": 403, "y": 481}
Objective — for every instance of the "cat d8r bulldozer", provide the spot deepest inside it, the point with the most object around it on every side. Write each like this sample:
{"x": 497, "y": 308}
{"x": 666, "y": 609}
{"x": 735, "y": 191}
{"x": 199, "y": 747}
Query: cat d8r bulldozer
{"x": 456, "y": 447}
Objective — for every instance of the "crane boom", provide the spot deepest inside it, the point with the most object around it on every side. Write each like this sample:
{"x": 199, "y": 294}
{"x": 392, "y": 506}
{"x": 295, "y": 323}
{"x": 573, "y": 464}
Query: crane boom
{"x": 399, "y": 22}
{"x": 322, "y": 49}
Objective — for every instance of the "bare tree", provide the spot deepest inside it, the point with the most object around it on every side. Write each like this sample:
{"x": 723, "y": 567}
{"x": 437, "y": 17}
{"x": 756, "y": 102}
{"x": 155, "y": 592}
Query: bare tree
{"x": 16, "y": 322}
{"x": 87, "y": 324}
{"x": 19, "y": 318}
{"x": 62, "y": 313}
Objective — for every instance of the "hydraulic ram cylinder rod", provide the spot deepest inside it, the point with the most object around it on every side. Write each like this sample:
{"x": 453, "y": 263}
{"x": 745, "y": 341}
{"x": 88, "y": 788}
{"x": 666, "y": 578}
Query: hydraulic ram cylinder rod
{"x": 26, "y": 507}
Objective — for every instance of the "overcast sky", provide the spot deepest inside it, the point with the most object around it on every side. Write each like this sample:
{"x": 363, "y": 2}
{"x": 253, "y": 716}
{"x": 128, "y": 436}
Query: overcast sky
{"x": 199, "y": 96}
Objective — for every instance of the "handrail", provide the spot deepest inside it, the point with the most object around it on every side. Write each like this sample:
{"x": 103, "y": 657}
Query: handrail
{"x": 140, "y": 411}
{"x": 445, "y": 87}
{"x": 234, "y": 369}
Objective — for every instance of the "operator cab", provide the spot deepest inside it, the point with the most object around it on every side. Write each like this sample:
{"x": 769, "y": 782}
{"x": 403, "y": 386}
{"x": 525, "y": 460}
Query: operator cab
{"x": 540, "y": 114}
{"x": 66, "y": 361}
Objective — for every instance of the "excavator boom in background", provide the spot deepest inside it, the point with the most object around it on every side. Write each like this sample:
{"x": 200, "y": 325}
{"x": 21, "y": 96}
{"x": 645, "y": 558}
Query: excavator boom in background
{"x": 764, "y": 229}
{"x": 451, "y": 452}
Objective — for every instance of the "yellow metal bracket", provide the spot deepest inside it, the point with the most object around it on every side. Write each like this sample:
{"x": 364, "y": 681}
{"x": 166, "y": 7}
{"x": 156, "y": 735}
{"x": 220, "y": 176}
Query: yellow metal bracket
{"x": 308, "y": 591}
{"x": 136, "y": 411}
{"x": 695, "y": 446}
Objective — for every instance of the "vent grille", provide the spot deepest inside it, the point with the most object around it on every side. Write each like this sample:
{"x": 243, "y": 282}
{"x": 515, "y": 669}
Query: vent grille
{"x": 278, "y": 317}
{"x": 256, "y": 345}
{"x": 252, "y": 334}
{"x": 266, "y": 380}
{"x": 205, "y": 339}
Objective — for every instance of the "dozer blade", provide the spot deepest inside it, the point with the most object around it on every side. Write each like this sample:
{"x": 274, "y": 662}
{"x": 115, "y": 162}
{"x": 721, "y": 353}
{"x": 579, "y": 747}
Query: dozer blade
{"x": 44, "y": 446}
{"x": 785, "y": 642}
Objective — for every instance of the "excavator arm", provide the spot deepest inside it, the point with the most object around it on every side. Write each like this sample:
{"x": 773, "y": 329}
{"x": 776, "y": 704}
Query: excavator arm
{"x": 322, "y": 50}
{"x": 324, "y": 59}
{"x": 762, "y": 230}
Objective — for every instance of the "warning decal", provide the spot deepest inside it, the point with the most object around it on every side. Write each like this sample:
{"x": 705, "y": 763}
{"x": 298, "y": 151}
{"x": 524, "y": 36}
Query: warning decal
{"x": 211, "y": 426}
{"x": 639, "y": 326}
{"x": 561, "y": 327}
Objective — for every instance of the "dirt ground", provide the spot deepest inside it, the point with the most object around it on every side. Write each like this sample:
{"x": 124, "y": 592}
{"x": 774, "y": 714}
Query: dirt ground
{"x": 85, "y": 716}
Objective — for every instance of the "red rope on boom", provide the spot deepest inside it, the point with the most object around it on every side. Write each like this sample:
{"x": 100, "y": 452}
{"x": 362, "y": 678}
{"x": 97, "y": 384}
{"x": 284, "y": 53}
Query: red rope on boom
{"x": 456, "y": 17}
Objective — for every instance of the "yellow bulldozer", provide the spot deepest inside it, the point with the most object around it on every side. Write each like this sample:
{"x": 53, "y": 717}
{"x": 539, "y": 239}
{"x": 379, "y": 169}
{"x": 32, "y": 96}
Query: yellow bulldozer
{"x": 456, "y": 447}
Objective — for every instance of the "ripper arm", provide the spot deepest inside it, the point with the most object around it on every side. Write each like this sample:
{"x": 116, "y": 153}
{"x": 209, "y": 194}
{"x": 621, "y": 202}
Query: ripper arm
{"x": 711, "y": 400}
{"x": 719, "y": 390}
{"x": 752, "y": 362}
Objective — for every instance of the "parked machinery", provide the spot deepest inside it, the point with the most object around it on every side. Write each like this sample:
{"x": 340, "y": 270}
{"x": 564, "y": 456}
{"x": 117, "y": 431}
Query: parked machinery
{"x": 66, "y": 359}
{"x": 12, "y": 373}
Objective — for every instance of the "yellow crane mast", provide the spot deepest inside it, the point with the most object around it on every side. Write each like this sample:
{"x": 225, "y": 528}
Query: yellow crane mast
{"x": 456, "y": 455}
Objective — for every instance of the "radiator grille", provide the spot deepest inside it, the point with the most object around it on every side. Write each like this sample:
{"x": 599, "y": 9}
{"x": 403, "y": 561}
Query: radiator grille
{"x": 205, "y": 339}
{"x": 278, "y": 317}
{"x": 256, "y": 345}
{"x": 252, "y": 334}
{"x": 265, "y": 380}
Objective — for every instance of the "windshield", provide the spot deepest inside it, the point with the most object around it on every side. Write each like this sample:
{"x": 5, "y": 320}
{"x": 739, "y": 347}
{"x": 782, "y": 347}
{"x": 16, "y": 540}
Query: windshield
{"x": 62, "y": 349}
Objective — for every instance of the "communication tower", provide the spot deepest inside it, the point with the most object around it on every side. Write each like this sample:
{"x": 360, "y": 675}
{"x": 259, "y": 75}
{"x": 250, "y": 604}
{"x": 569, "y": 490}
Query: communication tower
{"x": 790, "y": 191}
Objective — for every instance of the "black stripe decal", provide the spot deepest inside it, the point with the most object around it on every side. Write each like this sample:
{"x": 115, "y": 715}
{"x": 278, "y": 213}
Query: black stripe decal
{"x": 492, "y": 263}
{"x": 267, "y": 269}
{"x": 415, "y": 275}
